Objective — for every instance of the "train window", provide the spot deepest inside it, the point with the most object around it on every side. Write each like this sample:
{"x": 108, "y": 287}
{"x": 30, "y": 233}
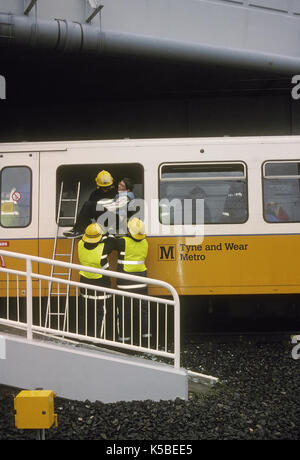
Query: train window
{"x": 70, "y": 175}
{"x": 15, "y": 184}
{"x": 281, "y": 191}
{"x": 193, "y": 171}
{"x": 222, "y": 186}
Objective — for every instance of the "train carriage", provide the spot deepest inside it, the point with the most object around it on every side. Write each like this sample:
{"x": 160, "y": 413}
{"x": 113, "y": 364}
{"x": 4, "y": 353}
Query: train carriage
{"x": 246, "y": 240}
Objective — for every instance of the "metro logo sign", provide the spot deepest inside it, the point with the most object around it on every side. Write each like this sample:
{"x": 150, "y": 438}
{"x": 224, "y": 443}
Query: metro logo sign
{"x": 166, "y": 252}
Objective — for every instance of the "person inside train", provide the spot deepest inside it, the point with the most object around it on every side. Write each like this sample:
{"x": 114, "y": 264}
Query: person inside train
{"x": 93, "y": 251}
{"x": 104, "y": 194}
{"x": 185, "y": 210}
{"x": 119, "y": 206}
{"x": 132, "y": 254}
{"x": 275, "y": 213}
{"x": 235, "y": 207}
{"x": 197, "y": 193}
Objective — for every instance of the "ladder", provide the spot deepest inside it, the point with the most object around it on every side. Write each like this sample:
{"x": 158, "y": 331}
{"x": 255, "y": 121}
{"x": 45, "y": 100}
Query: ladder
{"x": 60, "y": 253}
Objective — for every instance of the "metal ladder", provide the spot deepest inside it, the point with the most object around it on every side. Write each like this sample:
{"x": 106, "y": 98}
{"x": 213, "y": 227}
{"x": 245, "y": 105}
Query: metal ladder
{"x": 61, "y": 311}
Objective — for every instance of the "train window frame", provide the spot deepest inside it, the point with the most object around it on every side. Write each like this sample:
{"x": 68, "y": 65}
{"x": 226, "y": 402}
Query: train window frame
{"x": 274, "y": 177}
{"x": 242, "y": 178}
{"x": 208, "y": 163}
{"x": 30, "y": 196}
{"x": 96, "y": 167}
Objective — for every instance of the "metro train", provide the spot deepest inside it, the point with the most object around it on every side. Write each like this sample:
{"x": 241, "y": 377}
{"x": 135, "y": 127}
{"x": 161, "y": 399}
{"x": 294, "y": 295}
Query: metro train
{"x": 247, "y": 243}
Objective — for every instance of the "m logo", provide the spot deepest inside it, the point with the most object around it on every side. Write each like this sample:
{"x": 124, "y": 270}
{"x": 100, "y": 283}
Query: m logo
{"x": 167, "y": 252}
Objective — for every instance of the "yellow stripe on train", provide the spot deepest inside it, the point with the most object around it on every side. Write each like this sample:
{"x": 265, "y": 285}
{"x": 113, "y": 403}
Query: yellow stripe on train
{"x": 250, "y": 264}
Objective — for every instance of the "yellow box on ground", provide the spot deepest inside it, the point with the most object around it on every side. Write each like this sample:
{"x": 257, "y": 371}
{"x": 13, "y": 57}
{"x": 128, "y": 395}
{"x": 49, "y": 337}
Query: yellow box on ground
{"x": 34, "y": 409}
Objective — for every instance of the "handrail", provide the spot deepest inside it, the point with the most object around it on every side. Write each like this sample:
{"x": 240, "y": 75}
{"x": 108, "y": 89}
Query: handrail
{"x": 90, "y": 269}
{"x": 149, "y": 281}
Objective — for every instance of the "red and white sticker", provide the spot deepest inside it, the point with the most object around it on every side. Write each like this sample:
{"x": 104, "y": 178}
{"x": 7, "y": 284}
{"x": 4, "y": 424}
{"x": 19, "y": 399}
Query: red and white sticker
{"x": 4, "y": 244}
{"x": 16, "y": 196}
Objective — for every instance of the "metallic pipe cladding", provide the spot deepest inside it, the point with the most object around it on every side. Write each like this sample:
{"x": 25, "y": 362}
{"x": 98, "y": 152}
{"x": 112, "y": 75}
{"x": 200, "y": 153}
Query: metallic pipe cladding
{"x": 73, "y": 37}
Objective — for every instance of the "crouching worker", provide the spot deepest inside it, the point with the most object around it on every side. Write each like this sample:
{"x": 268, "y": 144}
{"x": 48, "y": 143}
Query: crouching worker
{"x": 93, "y": 251}
{"x": 132, "y": 253}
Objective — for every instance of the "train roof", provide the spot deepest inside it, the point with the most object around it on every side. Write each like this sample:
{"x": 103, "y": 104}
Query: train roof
{"x": 64, "y": 145}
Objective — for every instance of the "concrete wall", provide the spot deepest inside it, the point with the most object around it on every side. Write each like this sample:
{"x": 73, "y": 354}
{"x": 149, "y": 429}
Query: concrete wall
{"x": 80, "y": 374}
{"x": 264, "y": 25}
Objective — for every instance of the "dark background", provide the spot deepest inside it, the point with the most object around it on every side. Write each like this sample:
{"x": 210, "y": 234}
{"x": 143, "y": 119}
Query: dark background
{"x": 53, "y": 96}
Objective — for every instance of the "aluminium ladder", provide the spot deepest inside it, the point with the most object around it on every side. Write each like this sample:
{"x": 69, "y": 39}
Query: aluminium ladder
{"x": 61, "y": 312}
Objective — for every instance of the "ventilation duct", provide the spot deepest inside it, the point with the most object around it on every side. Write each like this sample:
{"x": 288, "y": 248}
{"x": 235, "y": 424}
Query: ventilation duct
{"x": 73, "y": 37}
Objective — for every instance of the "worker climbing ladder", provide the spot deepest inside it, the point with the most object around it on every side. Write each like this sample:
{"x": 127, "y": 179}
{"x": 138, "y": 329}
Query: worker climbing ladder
{"x": 57, "y": 309}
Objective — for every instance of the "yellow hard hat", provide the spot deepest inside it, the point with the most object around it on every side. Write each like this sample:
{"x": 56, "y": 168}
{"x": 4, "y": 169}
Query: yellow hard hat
{"x": 136, "y": 228}
{"x": 104, "y": 179}
{"x": 93, "y": 233}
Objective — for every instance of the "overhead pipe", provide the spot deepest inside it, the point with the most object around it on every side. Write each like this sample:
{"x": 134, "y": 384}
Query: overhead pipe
{"x": 74, "y": 37}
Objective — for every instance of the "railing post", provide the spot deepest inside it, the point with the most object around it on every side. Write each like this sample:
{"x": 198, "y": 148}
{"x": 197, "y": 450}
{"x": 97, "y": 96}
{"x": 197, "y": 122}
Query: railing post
{"x": 29, "y": 298}
{"x": 176, "y": 329}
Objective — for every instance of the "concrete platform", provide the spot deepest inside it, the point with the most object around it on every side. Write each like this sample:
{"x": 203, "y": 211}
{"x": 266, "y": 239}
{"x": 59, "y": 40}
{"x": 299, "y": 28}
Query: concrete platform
{"x": 86, "y": 372}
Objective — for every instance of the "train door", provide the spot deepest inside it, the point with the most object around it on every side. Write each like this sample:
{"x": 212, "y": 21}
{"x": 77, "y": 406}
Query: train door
{"x": 19, "y": 177}
{"x": 58, "y": 175}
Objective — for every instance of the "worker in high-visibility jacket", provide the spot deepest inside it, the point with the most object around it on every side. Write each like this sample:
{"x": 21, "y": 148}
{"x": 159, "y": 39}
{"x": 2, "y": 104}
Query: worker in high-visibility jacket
{"x": 132, "y": 254}
{"x": 93, "y": 251}
{"x": 103, "y": 195}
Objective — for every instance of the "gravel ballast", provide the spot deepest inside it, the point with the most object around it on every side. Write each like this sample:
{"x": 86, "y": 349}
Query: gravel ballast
{"x": 258, "y": 397}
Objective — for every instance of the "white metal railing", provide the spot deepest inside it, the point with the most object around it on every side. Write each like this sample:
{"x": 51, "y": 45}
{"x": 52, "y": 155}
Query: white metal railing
{"x": 24, "y": 303}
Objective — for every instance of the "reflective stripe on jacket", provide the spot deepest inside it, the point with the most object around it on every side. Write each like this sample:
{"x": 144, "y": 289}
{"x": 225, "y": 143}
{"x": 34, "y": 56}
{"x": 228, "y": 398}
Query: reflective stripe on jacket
{"x": 92, "y": 258}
